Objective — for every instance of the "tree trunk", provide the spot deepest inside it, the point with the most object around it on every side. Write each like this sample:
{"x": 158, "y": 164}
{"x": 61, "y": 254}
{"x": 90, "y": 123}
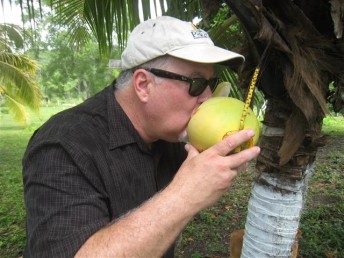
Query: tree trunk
{"x": 87, "y": 90}
{"x": 302, "y": 60}
{"x": 278, "y": 193}
{"x": 273, "y": 217}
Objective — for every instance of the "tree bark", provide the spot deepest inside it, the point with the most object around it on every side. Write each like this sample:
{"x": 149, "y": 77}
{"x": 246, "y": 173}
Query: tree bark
{"x": 302, "y": 60}
{"x": 273, "y": 217}
{"x": 278, "y": 192}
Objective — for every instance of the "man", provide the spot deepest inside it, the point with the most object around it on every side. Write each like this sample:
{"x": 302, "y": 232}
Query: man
{"x": 110, "y": 177}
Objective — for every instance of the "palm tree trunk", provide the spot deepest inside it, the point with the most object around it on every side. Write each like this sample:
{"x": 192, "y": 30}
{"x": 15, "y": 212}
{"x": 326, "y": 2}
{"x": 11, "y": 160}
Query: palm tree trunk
{"x": 279, "y": 191}
{"x": 274, "y": 212}
{"x": 302, "y": 60}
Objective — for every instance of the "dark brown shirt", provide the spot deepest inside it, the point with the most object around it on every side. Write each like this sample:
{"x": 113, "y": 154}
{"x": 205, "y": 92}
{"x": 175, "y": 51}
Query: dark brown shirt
{"x": 83, "y": 169}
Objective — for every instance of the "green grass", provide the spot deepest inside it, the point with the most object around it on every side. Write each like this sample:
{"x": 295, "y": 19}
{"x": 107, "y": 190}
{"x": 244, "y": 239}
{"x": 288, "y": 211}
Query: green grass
{"x": 12, "y": 213}
{"x": 333, "y": 125}
{"x": 322, "y": 223}
{"x": 13, "y": 140}
{"x": 207, "y": 235}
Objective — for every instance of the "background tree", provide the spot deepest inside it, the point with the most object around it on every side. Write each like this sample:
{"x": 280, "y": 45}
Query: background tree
{"x": 69, "y": 71}
{"x": 18, "y": 88}
{"x": 68, "y": 75}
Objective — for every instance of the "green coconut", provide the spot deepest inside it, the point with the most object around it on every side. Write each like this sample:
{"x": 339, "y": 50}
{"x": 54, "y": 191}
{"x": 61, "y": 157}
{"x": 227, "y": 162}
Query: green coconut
{"x": 217, "y": 118}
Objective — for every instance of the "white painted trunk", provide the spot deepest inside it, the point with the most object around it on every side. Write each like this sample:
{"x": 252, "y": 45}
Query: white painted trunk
{"x": 274, "y": 212}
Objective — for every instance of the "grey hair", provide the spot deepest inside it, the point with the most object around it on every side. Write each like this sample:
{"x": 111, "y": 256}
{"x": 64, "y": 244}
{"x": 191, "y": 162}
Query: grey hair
{"x": 125, "y": 77}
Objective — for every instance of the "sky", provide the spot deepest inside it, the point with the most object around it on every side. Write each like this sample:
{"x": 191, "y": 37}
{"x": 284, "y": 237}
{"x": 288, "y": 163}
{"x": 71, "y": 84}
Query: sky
{"x": 10, "y": 14}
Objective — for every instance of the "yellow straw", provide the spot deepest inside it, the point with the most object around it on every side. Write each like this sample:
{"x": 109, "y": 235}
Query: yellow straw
{"x": 249, "y": 98}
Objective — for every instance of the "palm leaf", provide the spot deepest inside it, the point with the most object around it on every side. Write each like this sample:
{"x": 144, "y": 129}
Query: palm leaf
{"x": 102, "y": 20}
{"x": 17, "y": 109}
{"x": 185, "y": 10}
{"x": 17, "y": 76}
{"x": 70, "y": 15}
{"x": 4, "y": 46}
{"x": 12, "y": 33}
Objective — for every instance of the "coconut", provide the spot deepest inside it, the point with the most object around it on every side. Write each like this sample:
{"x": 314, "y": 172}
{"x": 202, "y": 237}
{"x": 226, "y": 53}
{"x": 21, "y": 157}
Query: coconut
{"x": 217, "y": 118}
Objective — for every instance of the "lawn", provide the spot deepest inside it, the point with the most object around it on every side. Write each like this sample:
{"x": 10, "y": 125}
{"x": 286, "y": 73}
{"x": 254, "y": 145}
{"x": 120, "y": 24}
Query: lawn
{"x": 208, "y": 233}
{"x": 13, "y": 140}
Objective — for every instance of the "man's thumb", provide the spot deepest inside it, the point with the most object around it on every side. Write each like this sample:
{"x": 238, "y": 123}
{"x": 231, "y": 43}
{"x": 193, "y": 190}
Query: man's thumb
{"x": 191, "y": 150}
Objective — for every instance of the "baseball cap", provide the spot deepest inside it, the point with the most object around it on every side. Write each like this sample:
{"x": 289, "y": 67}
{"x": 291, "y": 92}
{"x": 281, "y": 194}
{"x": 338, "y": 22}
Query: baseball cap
{"x": 170, "y": 36}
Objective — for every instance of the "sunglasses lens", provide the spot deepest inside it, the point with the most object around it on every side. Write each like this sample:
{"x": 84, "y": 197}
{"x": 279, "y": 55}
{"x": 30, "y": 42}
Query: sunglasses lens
{"x": 213, "y": 82}
{"x": 199, "y": 85}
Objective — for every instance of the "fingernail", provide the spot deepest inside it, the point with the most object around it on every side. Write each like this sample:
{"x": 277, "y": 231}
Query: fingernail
{"x": 251, "y": 133}
{"x": 187, "y": 147}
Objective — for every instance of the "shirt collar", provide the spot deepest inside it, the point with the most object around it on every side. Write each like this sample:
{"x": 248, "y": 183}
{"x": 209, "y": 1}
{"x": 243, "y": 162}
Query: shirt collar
{"x": 121, "y": 130}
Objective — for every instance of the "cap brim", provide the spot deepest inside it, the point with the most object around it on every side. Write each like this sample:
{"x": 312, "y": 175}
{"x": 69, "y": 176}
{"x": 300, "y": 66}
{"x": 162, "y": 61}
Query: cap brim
{"x": 208, "y": 54}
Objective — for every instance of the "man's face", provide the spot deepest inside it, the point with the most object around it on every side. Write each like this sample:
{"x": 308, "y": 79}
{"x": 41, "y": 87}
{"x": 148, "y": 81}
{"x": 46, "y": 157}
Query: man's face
{"x": 170, "y": 105}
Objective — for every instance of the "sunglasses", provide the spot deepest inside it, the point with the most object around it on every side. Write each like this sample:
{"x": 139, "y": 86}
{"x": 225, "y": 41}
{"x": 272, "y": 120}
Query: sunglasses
{"x": 196, "y": 85}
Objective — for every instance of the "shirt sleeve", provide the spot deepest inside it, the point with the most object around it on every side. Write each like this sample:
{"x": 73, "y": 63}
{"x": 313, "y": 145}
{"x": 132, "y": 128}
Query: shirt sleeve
{"x": 64, "y": 205}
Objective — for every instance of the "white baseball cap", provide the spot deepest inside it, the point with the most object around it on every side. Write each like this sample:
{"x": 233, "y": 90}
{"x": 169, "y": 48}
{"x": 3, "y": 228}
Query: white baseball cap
{"x": 170, "y": 36}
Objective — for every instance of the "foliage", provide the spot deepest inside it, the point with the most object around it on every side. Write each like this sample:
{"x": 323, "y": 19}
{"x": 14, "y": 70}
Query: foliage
{"x": 80, "y": 75}
{"x": 65, "y": 71}
{"x": 18, "y": 88}
{"x": 224, "y": 29}
{"x": 66, "y": 74}
{"x": 11, "y": 37}
{"x": 89, "y": 19}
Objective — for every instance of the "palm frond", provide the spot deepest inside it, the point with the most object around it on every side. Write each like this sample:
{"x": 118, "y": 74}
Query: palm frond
{"x": 17, "y": 109}
{"x": 134, "y": 17}
{"x": 99, "y": 17}
{"x": 12, "y": 37}
{"x": 217, "y": 32}
{"x": 103, "y": 20}
{"x": 12, "y": 33}
{"x": 79, "y": 37}
{"x": 20, "y": 61}
{"x": 4, "y": 45}
{"x": 17, "y": 76}
{"x": 185, "y": 10}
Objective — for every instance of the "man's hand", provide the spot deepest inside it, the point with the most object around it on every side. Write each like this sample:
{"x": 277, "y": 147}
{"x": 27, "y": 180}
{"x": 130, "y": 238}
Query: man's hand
{"x": 205, "y": 177}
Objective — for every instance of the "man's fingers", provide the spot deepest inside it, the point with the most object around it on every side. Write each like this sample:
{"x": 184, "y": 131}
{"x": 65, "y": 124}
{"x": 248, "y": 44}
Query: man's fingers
{"x": 231, "y": 142}
{"x": 239, "y": 159}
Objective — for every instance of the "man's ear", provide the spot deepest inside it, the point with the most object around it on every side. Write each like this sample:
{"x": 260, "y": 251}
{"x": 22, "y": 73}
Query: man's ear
{"x": 141, "y": 81}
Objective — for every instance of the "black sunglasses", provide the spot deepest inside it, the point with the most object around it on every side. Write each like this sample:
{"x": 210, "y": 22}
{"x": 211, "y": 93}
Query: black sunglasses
{"x": 197, "y": 85}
